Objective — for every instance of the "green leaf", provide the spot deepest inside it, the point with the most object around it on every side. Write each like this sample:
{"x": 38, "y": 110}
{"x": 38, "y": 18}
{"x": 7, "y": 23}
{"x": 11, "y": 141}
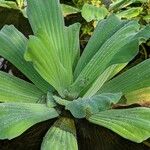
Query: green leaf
{"x": 141, "y": 95}
{"x": 130, "y": 13}
{"x": 84, "y": 107}
{"x": 111, "y": 52}
{"x": 15, "y": 118}
{"x": 61, "y": 101}
{"x": 50, "y": 100}
{"x": 46, "y": 19}
{"x": 67, "y": 9}
{"x": 132, "y": 124}
{"x": 117, "y": 69}
{"x": 98, "y": 83}
{"x": 90, "y": 12}
{"x": 55, "y": 28}
{"x": 13, "y": 89}
{"x": 133, "y": 79}
{"x": 74, "y": 45}
{"x": 104, "y": 30}
{"x": 54, "y": 47}
{"x": 62, "y": 135}
{"x": 47, "y": 62}
{"x": 104, "y": 77}
{"x": 12, "y": 47}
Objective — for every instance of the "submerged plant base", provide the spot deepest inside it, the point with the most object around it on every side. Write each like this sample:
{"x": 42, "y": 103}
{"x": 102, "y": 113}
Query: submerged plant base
{"x": 90, "y": 137}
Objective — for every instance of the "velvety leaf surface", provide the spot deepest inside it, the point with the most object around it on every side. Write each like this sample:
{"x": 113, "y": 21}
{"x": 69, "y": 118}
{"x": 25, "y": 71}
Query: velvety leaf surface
{"x": 133, "y": 79}
{"x": 62, "y": 135}
{"x": 54, "y": 45}
{"x": 105, "y": 29}
{"x": 47, "y": 22}
{"x": 13, "y": 89}
{"x": 110, "y": 52}
{"x": 12, "y": 47}
{"x": 98, "y": 83}
{"x": 83, "y": 107}
{"x": 15, "y": 118}
{"x": 47, "y": 62}
{"x": 132, "y": 124}
{"x": 73, "y": 38}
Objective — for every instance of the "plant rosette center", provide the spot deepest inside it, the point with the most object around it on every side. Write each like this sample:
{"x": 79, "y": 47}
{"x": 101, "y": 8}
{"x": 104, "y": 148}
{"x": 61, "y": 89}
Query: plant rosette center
{"x": 87, "y": 106}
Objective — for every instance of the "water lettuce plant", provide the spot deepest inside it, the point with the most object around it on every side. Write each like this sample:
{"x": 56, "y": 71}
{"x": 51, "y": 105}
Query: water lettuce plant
{"x": 68, "y": 86}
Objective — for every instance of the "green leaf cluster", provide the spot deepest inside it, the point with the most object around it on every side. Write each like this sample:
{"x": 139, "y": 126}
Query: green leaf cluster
{"x": 87, "y": 85}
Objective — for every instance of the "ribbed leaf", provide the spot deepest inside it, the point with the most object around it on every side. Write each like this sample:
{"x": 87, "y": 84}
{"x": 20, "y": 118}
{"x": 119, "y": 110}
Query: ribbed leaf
{"x": 83, "y": 107}
{"x": 15, "y": 118}
{"x": 90, "y": 12}
{"x": 135, "y": 78}
{"x": 50, "y": 21}
{"x": 100, "y": 81}
{"x": 104, "y": 30}
{"x": 111, "y": 52}
{"x": 62, "y": 135}
{"x": 73, "y": 38}
{"x": 132, "y": 124}
{"x": 141, "y": 95}
{"x": 47, "y": 62}
{"x": 58, "y": 53}
{"x": 13, "y": 89}
{"x": 104, "y": 77}
{"x": 117, "y": 69}
{"x": 12, "y": 47}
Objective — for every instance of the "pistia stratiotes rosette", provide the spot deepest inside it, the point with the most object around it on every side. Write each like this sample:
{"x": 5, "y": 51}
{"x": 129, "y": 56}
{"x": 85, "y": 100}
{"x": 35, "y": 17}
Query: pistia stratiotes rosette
{"x": 83, "y": 85}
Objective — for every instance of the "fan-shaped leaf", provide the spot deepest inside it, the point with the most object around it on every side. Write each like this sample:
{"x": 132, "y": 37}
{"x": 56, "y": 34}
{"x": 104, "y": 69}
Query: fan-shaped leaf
{"x": 133, "y": 79}
{"x": 53, "y": 37}
{"x": 13, "y": 89}
{"x": 55, "y": 28}
{"x": 132, "y": 124}
{"x": 12, "y": 47}
{"x": 62, "y": 135}
{"x": 105, "y": 29}
{"x": 47, "y": 62}
{"x": 110, "y": 52}
{"x": 15, "y": 118}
